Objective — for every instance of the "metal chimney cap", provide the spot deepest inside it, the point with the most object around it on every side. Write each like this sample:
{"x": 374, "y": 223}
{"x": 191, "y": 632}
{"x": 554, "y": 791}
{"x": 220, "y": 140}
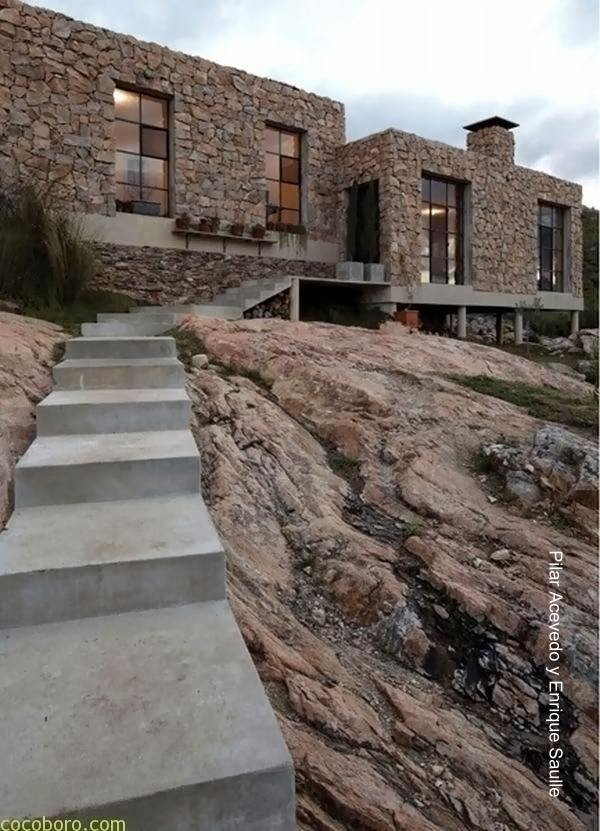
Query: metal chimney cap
{"x": 494, "y": 121}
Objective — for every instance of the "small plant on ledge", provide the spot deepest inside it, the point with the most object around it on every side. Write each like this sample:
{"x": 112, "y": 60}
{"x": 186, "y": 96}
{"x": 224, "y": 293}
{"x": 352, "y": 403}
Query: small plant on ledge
{"x": 182, "y": 223}
{"x": 258, "y": 231}
{"x": 214, "y": 223}
{"x": 204, "y": 225}
{"x": 237, "y": 229}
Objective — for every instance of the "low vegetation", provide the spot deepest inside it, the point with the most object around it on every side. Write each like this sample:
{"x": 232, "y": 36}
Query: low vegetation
{"x": 84, "y": 309}
{"x": 45, "y": 261}
{"x": 540, "y": 402}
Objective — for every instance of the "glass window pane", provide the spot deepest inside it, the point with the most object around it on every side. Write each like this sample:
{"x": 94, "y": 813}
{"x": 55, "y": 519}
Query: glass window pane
{"x": 438, "y": 219}
{"x": 546, "y": 237}
{"x": 125, "y": 193}
{"x": 425, "y": 216}
{"x": 154, "y": 111}
{"x": 438, "y": 270}
{"x": 290, "y": 197}
{"x": 546, "y": 281}
{"x": 451, "y": 194}
{"x": 272, "y": 140}
{"x": 273, "y": 193}
{"x": 154, "y": 142}
{"x": 127, "y": 104}
{"x": 424, "y": 269}
{"x": 452, "y": 271}
{"x": 557, "y": 261}
{"x": 290, "y": 217}
{"x": 272, "y": 213}
{"x": 438, "y": 192}
{"x": 290, "y": 144}
{"x": 127, "y": 136}
{"x": 452, "y": 217}
{"x": 546, "y": 215}
{"x": 558, "y": 282}
{"x": 160, "y": 196}
{"x": 424, "y": 243}
{"x": 290, "y": 170}
{"x": 272, "y": 166}
{"x": 558, "y": 240}
{"x": 451, "y": 246}
{"x": 155, "y": 173}
{"x": 438, "y": 246}
{"x": 426, "y": 190}
{"x": 558, "y": 218}
{"x": 546, "y": 259}
{"x": 128, "y": 168}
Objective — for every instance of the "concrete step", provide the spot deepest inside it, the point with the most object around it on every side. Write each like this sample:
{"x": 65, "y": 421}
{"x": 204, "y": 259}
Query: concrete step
{"x": 63, "y": 562}
{"x": 66, "y": 412}
{"x": 136, "y": 326}
{"x": 144, "y": 347}
{"x": 57, "y": 470}
{"x": 155, "y": 717}
{"x": 118, "y": 373}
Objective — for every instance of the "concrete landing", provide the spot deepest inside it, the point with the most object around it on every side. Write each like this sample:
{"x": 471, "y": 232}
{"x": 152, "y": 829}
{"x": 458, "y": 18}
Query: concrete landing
{"x": 92, "y": 468}
{"x": 64, "y": 562}
{"x": 157, "y": 718}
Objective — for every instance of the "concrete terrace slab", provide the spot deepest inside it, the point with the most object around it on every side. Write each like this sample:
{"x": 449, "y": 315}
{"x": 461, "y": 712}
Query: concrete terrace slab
{"x": 92, "y": 468}
{"x": 71, "y": 561}
{"x": 155, "y": 717}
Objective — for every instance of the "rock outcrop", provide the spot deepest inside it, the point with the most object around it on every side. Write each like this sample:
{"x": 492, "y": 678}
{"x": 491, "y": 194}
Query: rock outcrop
{"x": 27, "y": 349}
{"x": 397, "y": 611}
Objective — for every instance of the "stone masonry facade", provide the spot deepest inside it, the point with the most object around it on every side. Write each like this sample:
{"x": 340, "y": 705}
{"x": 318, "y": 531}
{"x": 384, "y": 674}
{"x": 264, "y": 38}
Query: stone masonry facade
{"x": 57, "y": 124}
{"x": 503, "y": 204}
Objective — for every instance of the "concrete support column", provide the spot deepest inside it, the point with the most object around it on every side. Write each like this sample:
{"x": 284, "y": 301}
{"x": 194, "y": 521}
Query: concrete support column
{"x": 574, "y": 322}
{"x": 461, "y": 323}
{"x": 499, "y": 328}
{"x": 295, "y": 299}
{"x": 518, "y": 327}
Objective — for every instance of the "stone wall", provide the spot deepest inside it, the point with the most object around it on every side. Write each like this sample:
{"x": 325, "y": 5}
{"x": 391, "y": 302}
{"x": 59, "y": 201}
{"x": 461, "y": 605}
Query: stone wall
{"x": 165, "y": 275}
{"x": 57, "y": 79}
{"x": 502, "y": 199}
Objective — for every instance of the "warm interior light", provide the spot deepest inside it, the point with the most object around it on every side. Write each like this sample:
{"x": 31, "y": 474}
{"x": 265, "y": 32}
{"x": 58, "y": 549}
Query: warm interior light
{"x": 120, "y": 96}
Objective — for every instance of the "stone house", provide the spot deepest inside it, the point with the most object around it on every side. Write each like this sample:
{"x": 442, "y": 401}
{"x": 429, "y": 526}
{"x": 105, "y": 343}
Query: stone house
{"x": 145, "y": 143}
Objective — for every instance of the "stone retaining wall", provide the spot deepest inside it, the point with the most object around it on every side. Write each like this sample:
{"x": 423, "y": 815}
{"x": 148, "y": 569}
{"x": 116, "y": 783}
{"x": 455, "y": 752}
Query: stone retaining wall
{"x": 162, "y": 275}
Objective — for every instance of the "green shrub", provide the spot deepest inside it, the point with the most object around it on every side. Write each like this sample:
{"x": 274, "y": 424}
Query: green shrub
{"x": 44, "y": 259}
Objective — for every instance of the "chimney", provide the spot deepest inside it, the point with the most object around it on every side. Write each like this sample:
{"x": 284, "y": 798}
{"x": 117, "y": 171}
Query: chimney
{"x": 492, "y": 136}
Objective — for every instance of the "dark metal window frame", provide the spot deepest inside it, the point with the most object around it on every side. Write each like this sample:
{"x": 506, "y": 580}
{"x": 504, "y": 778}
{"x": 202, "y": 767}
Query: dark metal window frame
{"x": 457, "y": 234}
{"x": 140, "y": 156}
{"x": 555, "y": 279}
{"x": 273, "y": 212}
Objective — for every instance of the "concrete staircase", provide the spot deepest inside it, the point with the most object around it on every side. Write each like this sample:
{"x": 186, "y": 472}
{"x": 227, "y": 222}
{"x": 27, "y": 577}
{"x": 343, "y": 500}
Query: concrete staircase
{"x": 126, "y": 690}
{"x": 152, "y": 320}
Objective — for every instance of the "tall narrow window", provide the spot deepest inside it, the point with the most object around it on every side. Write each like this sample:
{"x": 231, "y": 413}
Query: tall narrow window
{"x": 142, "y": 152}
{"x": 441, "y": 231}
{"x": 283, "y": 176}
{"x": 551, "y": 247}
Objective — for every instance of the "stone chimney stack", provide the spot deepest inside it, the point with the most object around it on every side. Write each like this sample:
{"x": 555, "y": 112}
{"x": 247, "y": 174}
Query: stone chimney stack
{"x": 492, "y": 136}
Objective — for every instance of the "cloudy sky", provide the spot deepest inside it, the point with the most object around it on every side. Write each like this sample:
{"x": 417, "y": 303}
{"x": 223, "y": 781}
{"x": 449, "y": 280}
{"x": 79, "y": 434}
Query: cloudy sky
{"x": 426, "y": 67}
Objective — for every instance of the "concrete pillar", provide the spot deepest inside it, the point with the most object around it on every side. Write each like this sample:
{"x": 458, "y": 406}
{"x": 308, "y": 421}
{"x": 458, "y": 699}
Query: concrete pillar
{"x": 499, "y": 328}
{"x": 295, "y": 299}
{"x": 574, "y": 322}
{"x": 518, "y": 327}
{"x": 461, "y": 324}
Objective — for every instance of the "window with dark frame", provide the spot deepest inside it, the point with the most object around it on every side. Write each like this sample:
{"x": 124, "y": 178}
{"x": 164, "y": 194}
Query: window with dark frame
{"x": 283, "y": 173}
{"x": 441, "y": 231}
{"x": 142, "y": 149}
{"x": 551, "y": 247}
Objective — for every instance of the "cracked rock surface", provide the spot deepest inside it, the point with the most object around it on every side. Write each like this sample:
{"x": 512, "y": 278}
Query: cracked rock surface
{"x": 396, "y": 612}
